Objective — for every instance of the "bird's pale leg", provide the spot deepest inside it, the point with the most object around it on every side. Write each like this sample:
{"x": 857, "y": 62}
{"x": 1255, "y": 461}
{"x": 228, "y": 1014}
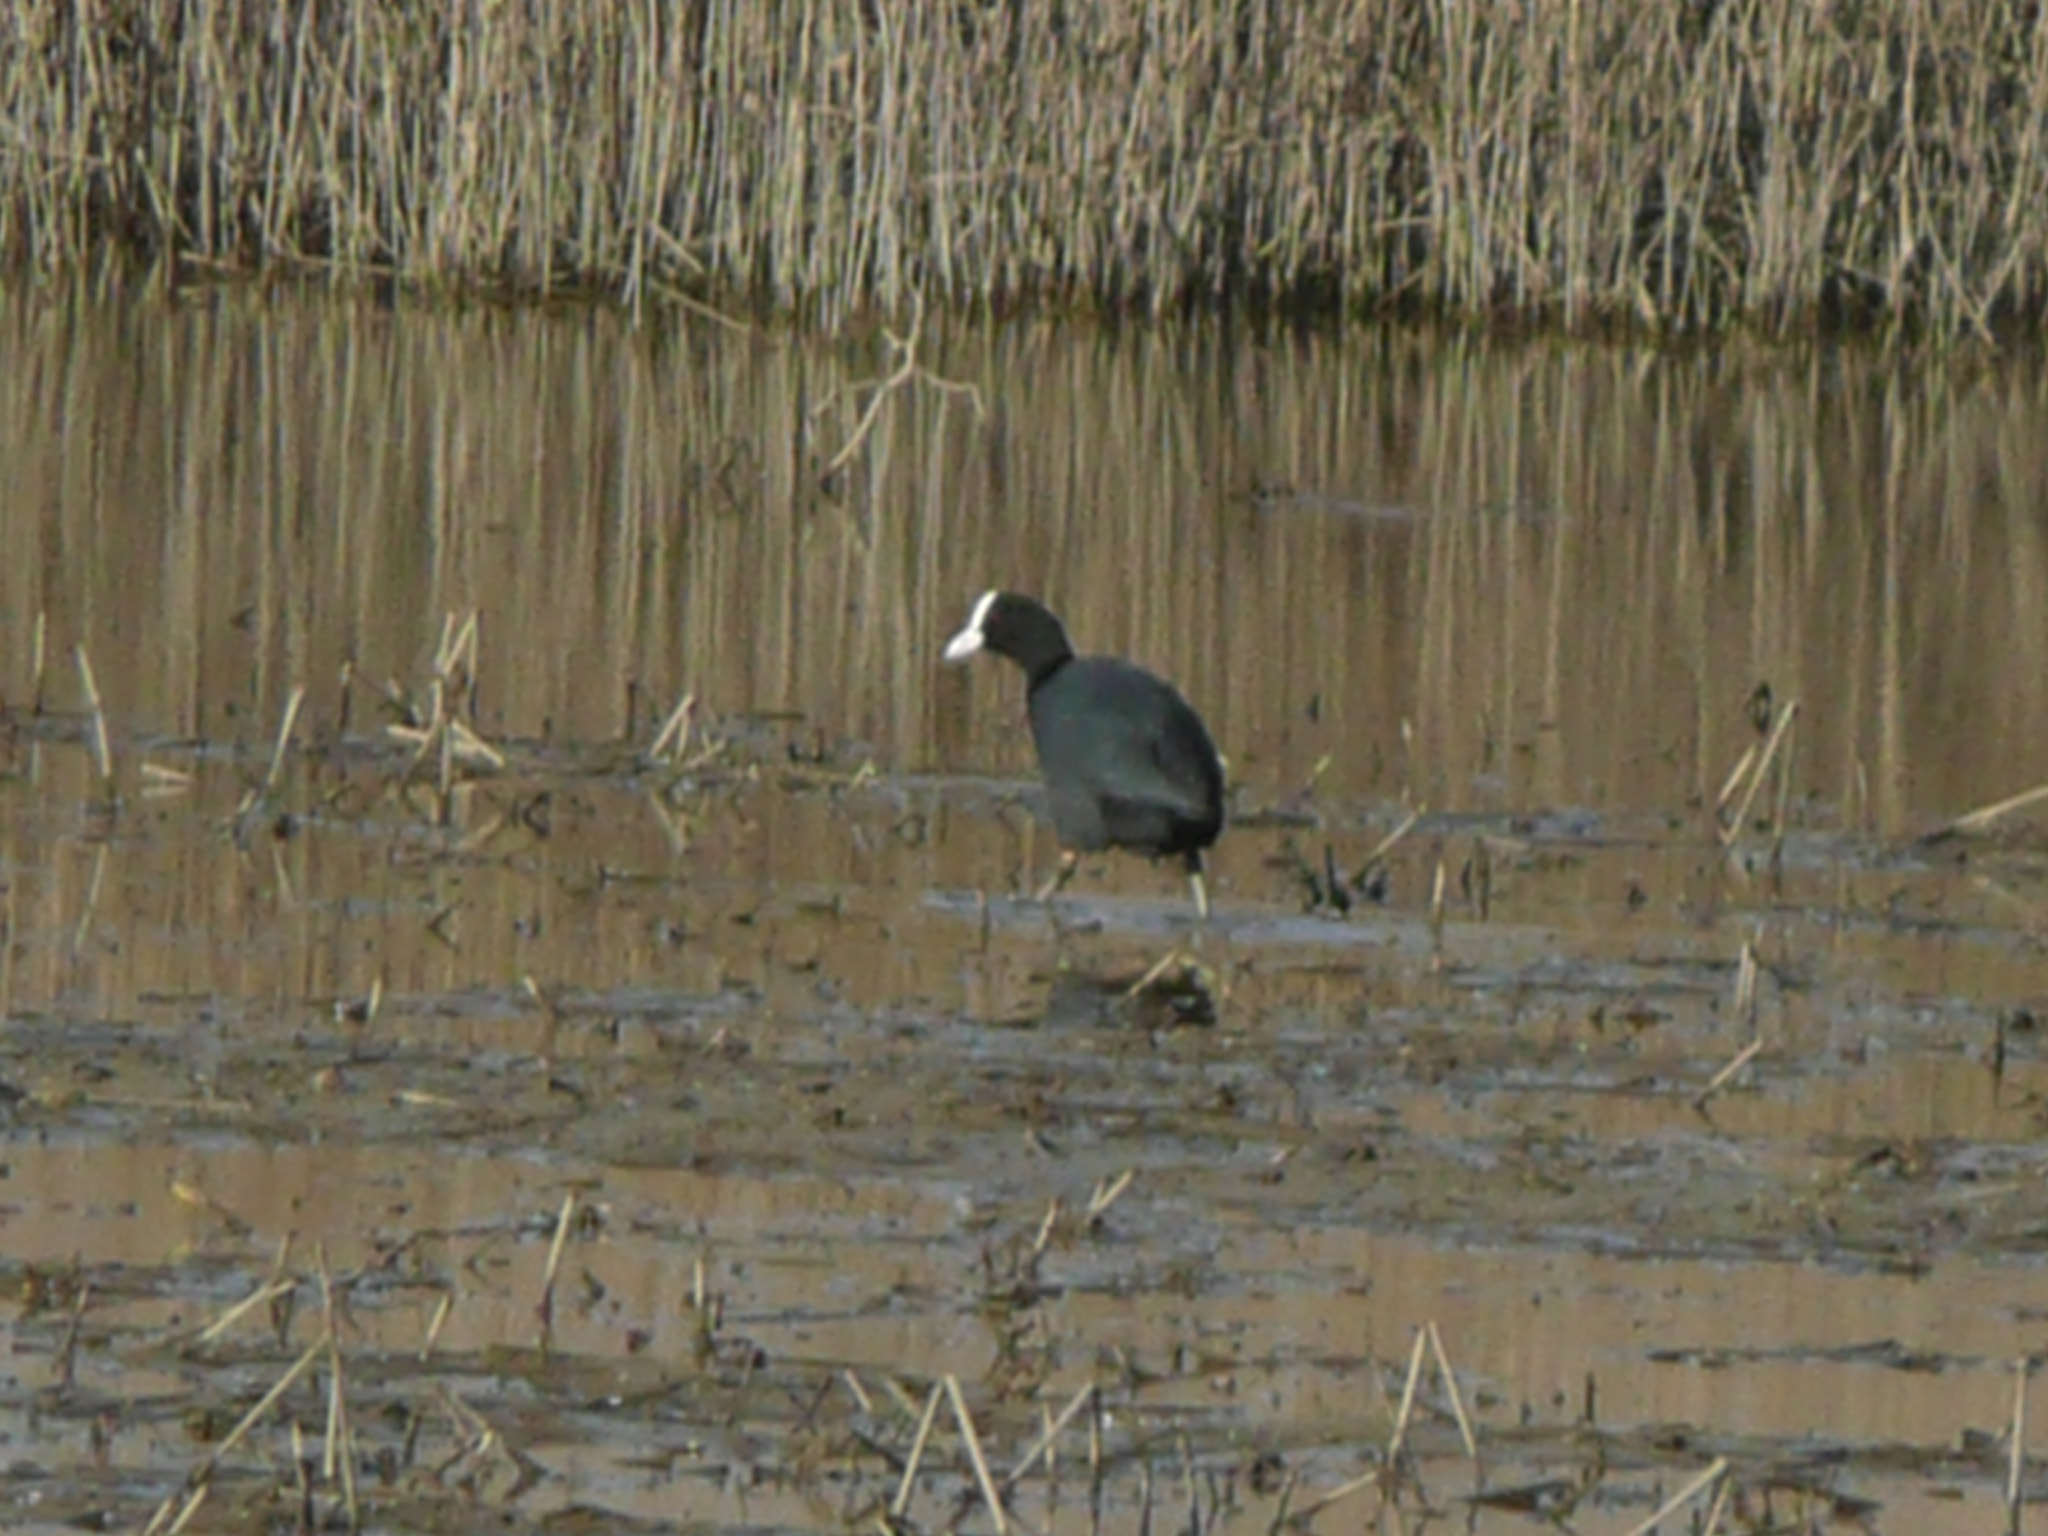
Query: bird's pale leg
{"x": 1180, "y": 954}
{"x": 1060, "y": 876}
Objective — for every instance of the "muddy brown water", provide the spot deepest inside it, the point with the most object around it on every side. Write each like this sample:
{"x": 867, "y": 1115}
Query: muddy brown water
{"x": 828, "y": 1100}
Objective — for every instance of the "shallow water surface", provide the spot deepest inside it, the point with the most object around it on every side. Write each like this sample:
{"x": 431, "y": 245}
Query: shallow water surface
{"x": 621, "y": 1139}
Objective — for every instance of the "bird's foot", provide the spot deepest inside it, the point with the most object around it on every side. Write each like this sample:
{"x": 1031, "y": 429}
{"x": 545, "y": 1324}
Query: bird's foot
{"x": 1060, "y": 876}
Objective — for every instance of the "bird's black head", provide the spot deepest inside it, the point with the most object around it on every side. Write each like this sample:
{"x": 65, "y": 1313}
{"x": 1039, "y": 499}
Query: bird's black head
{"x": 1013, "y": 625}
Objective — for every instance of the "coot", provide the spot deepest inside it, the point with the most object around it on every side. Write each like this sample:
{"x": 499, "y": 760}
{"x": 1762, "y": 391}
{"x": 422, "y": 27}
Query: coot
{"x": 1126, "y": 762}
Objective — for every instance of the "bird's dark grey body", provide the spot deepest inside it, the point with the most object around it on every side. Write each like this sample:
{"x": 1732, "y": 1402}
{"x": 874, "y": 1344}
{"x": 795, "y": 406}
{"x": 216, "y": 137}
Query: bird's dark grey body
{"x": 1127, "y": 762}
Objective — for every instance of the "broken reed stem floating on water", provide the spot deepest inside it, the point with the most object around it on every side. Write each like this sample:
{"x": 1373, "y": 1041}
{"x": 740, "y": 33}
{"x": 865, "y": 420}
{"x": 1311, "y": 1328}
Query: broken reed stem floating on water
{"x": 972, "y": 1441}
{"x": 1097, "y": 1466}
{"x": 159, "y": 782}
{"x": 1042, "y": 1446}
{"x": 672, "y": 741}
{"x": 1734, "y": 781}
{"x": 1429, "y": 1342}
{"x": 1450, "y": 1380}
{"x": 546, "y": 1309}
{"x": 1160, "y": 967}
{"x": 444, "y": 772}
{"x": 338, "y": 1455}
{"x": 1745, "y": 1009}
{"x": 103, "y": 750}
{"x": 1745, "y": 984}
{"x": 284, "y": 737}
{"x": 1108, "y": 1194}
{"x": 901, "y": 1398}
{"x": 859, "y": 1392}
{"x": 900, "y": 1505}
{"x": 472, "y": 748}
{"x": 1723, "y": 1491}
{"x": 446, "y": 737}
{"x": 675, "y": 826}
{"x": 1285, "y": 1503}
{"x": 196, "y": 1497}
{"x": 364, "y": 1010}
{"x": 67, "y": 1352}
{"x": 436, "y": 1323}
{"x": 1408, "y": 1390}
{"x": 541, "y": 1000}
{"x": 261, "y": 794}
{"x": 1781, "y": 813}
{"x": 38, "y": 658}
{"x": 1983, "y": 816}
{"x": 467, "y": 746}
{"x": 1436, "y": 909}
{"x": 1479, "y": 879}
{"x": 1386, "y": 844}
{"x": 455, "y": 652}
{"x": 481, "y": 1441}
{"x": 1726, "y": 1075}
{"x": 1731, "y": 831}
{"x": 90, "y": 909}
{"x": 1677, "y": 1501}
{"x": 344, "y": 708}
{"x": 1322, "y": 1502}
{"x": 200, "y": 1480}
{"x": 1052, "y": 1215}
{"x": 264, "y": 1294}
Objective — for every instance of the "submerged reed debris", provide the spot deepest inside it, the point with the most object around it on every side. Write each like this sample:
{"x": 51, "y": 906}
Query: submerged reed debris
{"x": 1676, "y": 167}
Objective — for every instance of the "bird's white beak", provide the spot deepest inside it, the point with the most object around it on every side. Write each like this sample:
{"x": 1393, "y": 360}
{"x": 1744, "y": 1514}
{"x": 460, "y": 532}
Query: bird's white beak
{"x": 971, "y": 638}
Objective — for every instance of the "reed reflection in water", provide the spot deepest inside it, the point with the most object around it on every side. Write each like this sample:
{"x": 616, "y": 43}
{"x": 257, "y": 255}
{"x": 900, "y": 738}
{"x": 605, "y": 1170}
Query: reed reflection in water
{"x": 1474, "y": 574}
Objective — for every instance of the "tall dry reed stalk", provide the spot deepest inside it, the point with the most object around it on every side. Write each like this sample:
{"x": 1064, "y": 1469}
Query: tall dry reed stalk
{"x": 1677, "y": 163}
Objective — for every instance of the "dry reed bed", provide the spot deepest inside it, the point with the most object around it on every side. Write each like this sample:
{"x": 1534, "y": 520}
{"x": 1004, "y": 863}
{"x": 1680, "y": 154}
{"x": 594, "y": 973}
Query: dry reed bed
{"x": 1678, "y": 165}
